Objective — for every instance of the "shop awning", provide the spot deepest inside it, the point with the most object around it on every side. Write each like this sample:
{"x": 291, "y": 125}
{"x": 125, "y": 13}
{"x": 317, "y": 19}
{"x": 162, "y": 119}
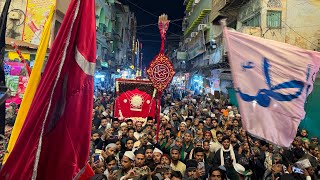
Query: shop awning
{"x": 20, "y": 43}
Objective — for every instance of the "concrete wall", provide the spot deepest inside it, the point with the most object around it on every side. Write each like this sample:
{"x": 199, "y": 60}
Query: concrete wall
{"x": 300, "y": 24}
{"x": 21, "y": 6}
{"x": 303, "y": 16}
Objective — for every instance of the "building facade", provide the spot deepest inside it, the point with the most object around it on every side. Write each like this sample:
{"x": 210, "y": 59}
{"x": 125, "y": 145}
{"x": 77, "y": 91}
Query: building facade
{"x": 281, "y": 20}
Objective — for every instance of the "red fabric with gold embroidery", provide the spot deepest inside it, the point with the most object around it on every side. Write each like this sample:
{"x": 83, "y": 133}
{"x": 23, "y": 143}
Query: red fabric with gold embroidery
{"x": 135, "y": 103}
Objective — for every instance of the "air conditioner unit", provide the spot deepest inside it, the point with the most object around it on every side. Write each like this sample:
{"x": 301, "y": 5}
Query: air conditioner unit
{"x": 194, "y": 34}
{"x": 201, "y": 27}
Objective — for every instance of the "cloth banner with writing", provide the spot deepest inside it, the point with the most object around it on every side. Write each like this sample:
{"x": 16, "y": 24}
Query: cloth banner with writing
{"x": 272, "y": 81}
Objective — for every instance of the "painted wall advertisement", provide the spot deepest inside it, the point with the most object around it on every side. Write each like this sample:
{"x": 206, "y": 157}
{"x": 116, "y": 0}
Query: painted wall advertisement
{"x": 16, "y": 81}
{"x": 36, "y": 17}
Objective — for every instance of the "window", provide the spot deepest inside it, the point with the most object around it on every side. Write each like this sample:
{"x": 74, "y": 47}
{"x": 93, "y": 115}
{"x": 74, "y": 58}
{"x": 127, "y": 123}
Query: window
{"x": 253, "y": 21}
{"x": 274, "y": 4}
{"x": 274, "y": 19}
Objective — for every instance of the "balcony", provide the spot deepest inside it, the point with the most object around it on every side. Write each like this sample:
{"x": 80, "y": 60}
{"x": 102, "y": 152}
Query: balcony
{"x": 221, "y": 6}
{"x": 200, "y": 11}
{"x": 189, "y": 5}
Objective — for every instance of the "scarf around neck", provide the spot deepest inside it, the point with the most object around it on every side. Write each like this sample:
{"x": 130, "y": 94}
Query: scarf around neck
{"x": 230, "y": 150}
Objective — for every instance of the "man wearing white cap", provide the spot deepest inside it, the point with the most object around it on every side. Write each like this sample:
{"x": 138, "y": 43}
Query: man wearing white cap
{"x": 127, "y": 163}
{"x": 157, "y": 153}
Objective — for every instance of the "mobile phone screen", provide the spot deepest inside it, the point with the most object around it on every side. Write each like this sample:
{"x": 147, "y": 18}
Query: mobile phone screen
{"x": 96, "y": 158}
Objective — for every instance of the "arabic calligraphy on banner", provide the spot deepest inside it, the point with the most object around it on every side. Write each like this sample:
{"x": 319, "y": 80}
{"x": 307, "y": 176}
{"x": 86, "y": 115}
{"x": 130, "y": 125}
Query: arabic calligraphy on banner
{"x": 285, "y": 91}
{"x": 37, "y": 15}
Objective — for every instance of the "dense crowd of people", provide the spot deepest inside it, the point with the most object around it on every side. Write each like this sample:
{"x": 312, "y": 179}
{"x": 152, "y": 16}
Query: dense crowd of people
{"x": 200, "y": 138}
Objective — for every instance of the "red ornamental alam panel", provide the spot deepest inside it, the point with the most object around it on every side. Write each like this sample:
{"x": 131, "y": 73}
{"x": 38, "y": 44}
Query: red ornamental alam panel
{"x": 161, "y": 72}
{"x": 135, "y": 99}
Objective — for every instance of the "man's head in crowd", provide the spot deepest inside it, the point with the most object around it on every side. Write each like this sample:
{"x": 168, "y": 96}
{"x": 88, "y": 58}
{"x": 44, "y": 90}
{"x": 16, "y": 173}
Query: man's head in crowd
{"x": 226, "y": 142}
{"x": 168, "y": 133}
{"x": 110, "y": 162}
{"x": 95, "y": 135}
{"x": 189, "y": 122}
{"x": 100, "y": 168}
{"x": 235, "y": 123}
{"x": 164, "y": 121}
{"x": 233, "y": 138}
{"x": 149, "y": 152}
{"x": 214, "y": 123}
{"x": 174, "y": 117}
{"x": 276, "y": 158}
{"x": 118, "y": 144}
{"x": 187, "y": 136}
{"x": 191, "y": 168}
{"x": 176, "y": 175}
{"x": 183, "y": 127}
{"x": 129, "y": 144}
{"x": 229, "y": 131}
{"x": 144, "y": 140}
{"x": 216, "y": 174}
{"x": 124, "y": 128}
{"x": 304, "y": 133}
{"x": 150, "y": 121}
{"x": 139, "y": 158}
{"x": 201, "y": 125}
{"x": 315, "y": 140}
{"x": 148, "y": 128}
{"x": 196, "y": 122}
{"x": 175, "y": 154}
{"x": 199, "y": 133}
{"x": 103, "y": 122}
{"x": 219, "y": 135}
{"x": 129, "y": 123}
{"x": 127, "y": 160}
{"x": 208, "y": 121}
{"x": 157, "y": 153}
{"x": 111, "y": 149}
{"x": 115, "y": 123}
{"x": 208, "y": 136}
{"x": 206, "y": 146}
{"x": 314, "y": 149}
{"x": 161, "y": 136}
{"x": 198, "y": 154}
{"x": 131, "y": 132}
{"x": 165, "y": 160}
{"x": 139, "y": 127}
{"x": 178, "y": 142}
{"x": 197, "y": 142}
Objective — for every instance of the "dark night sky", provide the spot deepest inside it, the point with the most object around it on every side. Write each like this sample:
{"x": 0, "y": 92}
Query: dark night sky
{"x": 147, "y": 13}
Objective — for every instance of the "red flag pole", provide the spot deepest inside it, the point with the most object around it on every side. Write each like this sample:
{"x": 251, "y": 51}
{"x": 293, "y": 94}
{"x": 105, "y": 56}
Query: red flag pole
{"x": 22, "y": 58}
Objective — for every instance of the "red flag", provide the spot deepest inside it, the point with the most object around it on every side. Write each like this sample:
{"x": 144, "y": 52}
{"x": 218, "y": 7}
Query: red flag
{"x": 54, "y": 141}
